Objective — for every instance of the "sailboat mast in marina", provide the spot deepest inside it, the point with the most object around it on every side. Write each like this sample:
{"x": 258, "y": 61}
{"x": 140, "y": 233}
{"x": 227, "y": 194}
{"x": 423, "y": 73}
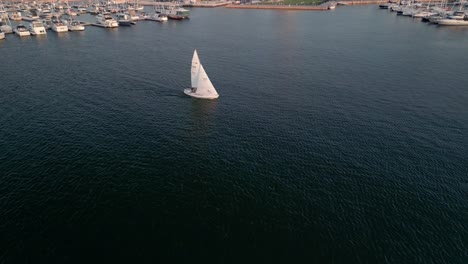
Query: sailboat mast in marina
{"x": 201, "y": 84}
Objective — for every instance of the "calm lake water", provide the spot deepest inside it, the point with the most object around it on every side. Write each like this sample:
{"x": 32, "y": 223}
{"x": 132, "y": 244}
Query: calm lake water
{"x": 338, "y": 137}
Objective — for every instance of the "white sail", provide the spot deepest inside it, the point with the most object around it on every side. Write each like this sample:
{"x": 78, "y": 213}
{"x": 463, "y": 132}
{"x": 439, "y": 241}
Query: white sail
{"x": 195, "y": 68}
{"x": 204, "y": 85}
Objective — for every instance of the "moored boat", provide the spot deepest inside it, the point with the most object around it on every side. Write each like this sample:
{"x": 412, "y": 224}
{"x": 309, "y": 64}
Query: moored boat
{"x": 58, "y": 26}
{"x": 37, "y": 28}
{"x": 176, "y": 12}
{"x": 124, "y": 20}
{"x": 15, "y": 16}
{"x": 74, "y": 25}
{"x": 22, "y": 31}
{"x": 106, "y": 20}
{"x": 5, "y": 27}
{"x": 454, "y": 22}
{"x": 157, "y": 17}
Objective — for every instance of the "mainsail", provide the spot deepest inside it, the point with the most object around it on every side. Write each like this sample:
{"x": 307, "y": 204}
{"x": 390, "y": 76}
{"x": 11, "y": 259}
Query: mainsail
{"x": 195, "y": 68}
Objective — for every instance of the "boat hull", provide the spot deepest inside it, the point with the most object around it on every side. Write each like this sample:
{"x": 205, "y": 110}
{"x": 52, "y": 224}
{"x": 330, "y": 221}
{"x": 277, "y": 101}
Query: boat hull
{"x": 189, "y": 92}
{"x": 126, "y": 23}
{"x": 175, "y": 17}
{"x": 38, "y": 31}
{"x": 60, "y": 29}
{"x": 2, "y": 35}
{"x": 22, "y": 33}
{"x": 453, "y": 22}
{"x": 76, "y": 28}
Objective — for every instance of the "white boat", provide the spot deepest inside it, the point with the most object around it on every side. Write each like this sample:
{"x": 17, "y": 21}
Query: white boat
{"x": 106, "y": 20}
{"x": 74, "y": 25}
{"x": 124, "y": 20}
{"x": 58, "y": 26}
{"x": 5, "y": 26}
{"x": 22, "y": 31}
{"x": 454, "y": 22}
{"x": 201, "y": 85}
{"x": 37, "y": 28}
{"x": 71, "y": 12}
{"x": 93, "y": 10}
{"x": 408, "y": 12}
{"x": 15, "y": 16}
{"x": 157, "y": 17}
{"x": 424, "y": 14}
{"x": 30, "y": 17}
{"x": 176, "y": 12}
{"x": 2, "y": 34}
{"x": 133, "y": 15}
{"x": 81, "y": 10}
{"x": 457, "y": 15}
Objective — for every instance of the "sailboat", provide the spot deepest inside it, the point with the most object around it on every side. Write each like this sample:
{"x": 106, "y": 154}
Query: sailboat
{"x": 201, "y": 84}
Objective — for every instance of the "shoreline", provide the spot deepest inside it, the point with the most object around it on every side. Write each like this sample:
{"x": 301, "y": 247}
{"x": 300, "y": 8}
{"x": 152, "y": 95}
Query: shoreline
{"x": 281, "y": 7}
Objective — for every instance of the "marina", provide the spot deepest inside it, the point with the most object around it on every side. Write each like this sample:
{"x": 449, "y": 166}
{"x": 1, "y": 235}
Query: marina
{"x": 65, "y": 19}
{"x": 61, "y": 19}
{"x": 337, "y": 137}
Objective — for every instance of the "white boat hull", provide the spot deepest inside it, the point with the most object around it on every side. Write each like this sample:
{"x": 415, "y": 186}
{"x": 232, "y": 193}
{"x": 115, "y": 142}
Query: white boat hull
{"x": 22, "y": 33}
{"x": 30, "y": 19}
{"x": 158, "y": 19}
{"x": 38, "y": 31}
{"x": 59, "y": 29}
{"x": 189, "y": 92}
{"x": 453, "y": 22}
{"x": 109, "y": 24}
{"x": 76, "y": 28}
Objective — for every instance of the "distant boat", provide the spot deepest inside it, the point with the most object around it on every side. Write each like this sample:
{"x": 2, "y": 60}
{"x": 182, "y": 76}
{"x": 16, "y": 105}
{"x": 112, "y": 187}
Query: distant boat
{"x": 74, "y": 25}
{"x": 176, "y": 12}
{"x": 58, "y": 26}
{"x": 37, "y": 28}
{"x": 454, "y": 22}
{"x": 22, "y": 31}
{"x": 157, "y": 17}
{"x": 106, "y": 20}
{"x": 124, "y": 20}
{"x": 5, "y": 26}
{"x": 201, "y": 85}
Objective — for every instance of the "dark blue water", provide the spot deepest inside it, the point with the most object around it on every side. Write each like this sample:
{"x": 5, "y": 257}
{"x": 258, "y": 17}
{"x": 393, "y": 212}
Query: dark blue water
{"x": 338, "y": 137}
